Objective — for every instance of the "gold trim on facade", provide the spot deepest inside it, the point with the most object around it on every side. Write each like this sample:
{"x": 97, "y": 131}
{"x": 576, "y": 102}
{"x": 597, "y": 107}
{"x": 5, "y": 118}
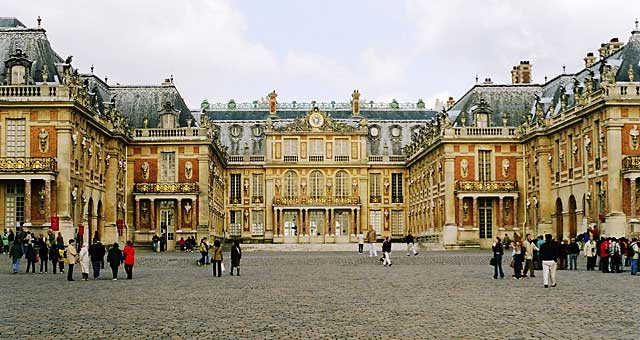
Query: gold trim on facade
{"x": 165, "y": 188}
{"x": 355, "y": 200}
{"x": 28, "y": 164}
{"x": 493, "y": 186}
{"x": 631, "y": 163}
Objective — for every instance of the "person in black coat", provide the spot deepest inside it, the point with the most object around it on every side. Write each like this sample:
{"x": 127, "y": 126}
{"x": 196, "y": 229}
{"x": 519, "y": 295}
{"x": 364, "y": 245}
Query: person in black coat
{"x": 30, "y": 255}
{"x": 43, "y": 251}
{"x": 549, "y": 255}
{"x": 96, "y": 251}
{"x": 236, "y": 255}
{"x": 498, "y": 251}
{"x": 115, "y": 258}
{"x": 54, "y": 256}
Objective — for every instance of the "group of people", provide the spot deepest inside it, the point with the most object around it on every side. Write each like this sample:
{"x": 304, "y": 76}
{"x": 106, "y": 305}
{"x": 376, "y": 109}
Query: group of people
{"x": 550, "y": 255}
{"x": 43, "y": 249}
{"x": 214, "y": 256}
{"x": 187, "y": 245}
{"x": 371, "y": 239}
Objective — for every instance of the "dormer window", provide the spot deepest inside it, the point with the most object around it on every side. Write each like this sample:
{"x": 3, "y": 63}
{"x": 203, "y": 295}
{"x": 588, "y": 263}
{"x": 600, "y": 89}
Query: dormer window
{"x": 18, "y": 68}
{"x": 18, "y": 73}
{"x": 482, "y": 119}
{"x": 482, "y": 114}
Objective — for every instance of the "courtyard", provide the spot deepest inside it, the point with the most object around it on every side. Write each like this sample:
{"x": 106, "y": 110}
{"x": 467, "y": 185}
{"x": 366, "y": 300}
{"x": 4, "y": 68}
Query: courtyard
{"x": 319, "y": 295}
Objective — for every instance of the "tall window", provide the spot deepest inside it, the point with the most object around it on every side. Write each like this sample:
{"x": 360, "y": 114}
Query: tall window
{"x": 257, "y": 222}
{"x": 235, "y": 222}
{"x": 396, "y": 188}
{"x": 341, "y": 150}
{"x": 235, "y": 187}
{"x": 14, "y": 205}
{"x": 375, "y": 219}
{"x": 397, "y": 222}
{"x": 316, "y": 149}
{"x": 290, "y": 150}
{"x": 290, "y": 184}
{"x": 482, "y": 120}
{"x": 257, "y": 188}
{"x": 342, "y": 184}
{"x": 168, "y": 167}
{"x": 375, "y": 195}
{"x": 484, "y": 165}
{"x": 16, "y": 138}
{"x": 316, "y": 184}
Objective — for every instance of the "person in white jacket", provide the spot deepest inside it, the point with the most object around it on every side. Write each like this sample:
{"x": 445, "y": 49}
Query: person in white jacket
{"x": 85, "y": 261}
{"x": 590, "y": 252}
{"x": 529, "y": 246}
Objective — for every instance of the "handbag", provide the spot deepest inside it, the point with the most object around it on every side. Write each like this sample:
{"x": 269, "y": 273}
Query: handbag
{"x": 511, "y": 264}
{"x": 37, "y": 259}
{"x": 222, "y": 266}
{"x": 492, "y": 262}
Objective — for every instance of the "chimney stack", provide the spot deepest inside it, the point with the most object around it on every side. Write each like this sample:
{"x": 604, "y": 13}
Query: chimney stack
{"x": 589, "y": 60}
{"x": 487, "y": 81}
{"x": 450, "y": 102}
{"x": 607, "y": 49}
{"x": 521, "y": 74}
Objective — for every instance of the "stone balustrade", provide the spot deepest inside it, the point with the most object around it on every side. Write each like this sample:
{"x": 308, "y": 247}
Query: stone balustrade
{"x": 323, "y": 200}
{"x": 631, "y": 163}
{"x": 489, "y": 186}
{"x": 184, "y": 133}
{"x": 34, "y": 91}
{"x": 166, "y": 188}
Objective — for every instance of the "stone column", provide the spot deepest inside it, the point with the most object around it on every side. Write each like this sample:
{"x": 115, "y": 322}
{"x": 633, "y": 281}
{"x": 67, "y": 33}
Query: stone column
{"x": 475, "y": 213}
{"x": 179, "y": 214}
{"x": 501, "y": 212}
{"x": 137, "y": 226}
{"x": 27, "y": 203}
{"x": 47, "y": 202}
{"x": 194, "y": 219}
{"x": 152, "y": 214}
{"x": 514, "y": 211}
{"x": 460, "y": 211}
{"x": 632, "y": 193}
{"x": 450, "y": 229}
{"x": 325, "y": 228}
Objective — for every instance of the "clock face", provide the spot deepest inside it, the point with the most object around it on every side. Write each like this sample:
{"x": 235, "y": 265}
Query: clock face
{"x": 316, "y": 120}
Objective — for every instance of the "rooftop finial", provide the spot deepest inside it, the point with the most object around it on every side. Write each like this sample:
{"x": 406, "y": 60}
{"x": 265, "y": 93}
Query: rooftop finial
{"x": 476, "y": 78}
{"x": 564, "y": 69}
{"x": 636, "y": 23}
{"x": 171, "y": 79}
{"x": 40, "y": 22}
{"x": 91, "y": 68}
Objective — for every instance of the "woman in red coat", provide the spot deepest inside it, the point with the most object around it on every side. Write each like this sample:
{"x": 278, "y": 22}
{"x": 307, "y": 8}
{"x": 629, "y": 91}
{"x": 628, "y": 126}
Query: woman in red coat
{"x": 129, "y": 259}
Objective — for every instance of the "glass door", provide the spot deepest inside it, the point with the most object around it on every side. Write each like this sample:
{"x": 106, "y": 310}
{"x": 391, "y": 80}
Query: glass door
{"x": 290, "y": 223}
{"x": 167, "y": 223}
{"x": 485, "y": 214}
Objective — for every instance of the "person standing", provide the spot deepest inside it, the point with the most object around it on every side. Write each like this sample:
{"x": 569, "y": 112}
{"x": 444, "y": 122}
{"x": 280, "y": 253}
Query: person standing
{"x": 574, "y": 251}
{"x": 386, "y": 251}
{"x": 16, "y": 254}
{"x": 614, "y": 255}
{"x": 5, "y": 242}
{"x": 60, "y": 241}
{"x": 53, "y": 256}
{"x": 96, "y": 251}
{"x": 635, "y": 255}
{"x": 529, "y": 249}
{"x": 217, "y": 259}
{"x": 410, "y": 245}
{"x": 603, "y": 250}
{"x": 30, "y": 255}
{"x": 549, "y": 256}
{"x": 371, "y": 241}
{"x": 563, "y": 248}
{"x": 591, "y": 252}
{"x": 129, "y": 254}
{"x": 85, "y": 261}
{"x": 498, "y": 251}
{"x": 72, "y": 258}
{"x": 155, "y": 240}
{"x": 204, "y": 251}
{"x": 518, "y": 258}
{"x": 114, "y": 257}
{"x": 236, "y": 255}
{"x": 360, "y": 242}
{"x": 62, "y": 258}
{"x": 43, "y": 251}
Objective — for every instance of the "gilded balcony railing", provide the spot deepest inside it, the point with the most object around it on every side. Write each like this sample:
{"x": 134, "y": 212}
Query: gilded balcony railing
{"x": 166, "y": 188}
{"x": 324, "y": 200}
{"x": 631, "y": 163}
{"x": 492, "y": 186}
{"x": 28, "y": 164}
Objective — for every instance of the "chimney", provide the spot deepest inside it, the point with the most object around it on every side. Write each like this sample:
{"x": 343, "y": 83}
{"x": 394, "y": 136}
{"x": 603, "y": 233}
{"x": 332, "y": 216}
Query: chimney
{"x": 607, "y": 49}
{"x": 355, "y": 104}
{"x": 589, "y": 60}
{"x": 487, "y": 81}
{"x": 521, "y": 74}
{"x": 450, "y": 102}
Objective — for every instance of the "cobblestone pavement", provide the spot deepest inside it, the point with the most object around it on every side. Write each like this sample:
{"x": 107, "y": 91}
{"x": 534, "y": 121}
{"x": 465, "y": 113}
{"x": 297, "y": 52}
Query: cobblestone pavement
{"x": 318, "y": 295}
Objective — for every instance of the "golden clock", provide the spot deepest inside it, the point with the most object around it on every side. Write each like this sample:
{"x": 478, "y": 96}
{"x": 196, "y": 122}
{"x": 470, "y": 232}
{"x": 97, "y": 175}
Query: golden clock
{"x": 316, "y": 120}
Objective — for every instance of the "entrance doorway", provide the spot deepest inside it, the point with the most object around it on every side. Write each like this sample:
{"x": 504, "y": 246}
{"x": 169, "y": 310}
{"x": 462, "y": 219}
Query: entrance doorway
{"x": 559, "y": 222}
{"x": 573, "y": 223}
{"x": 485, "y": 218}
{"x": 342, "y": 222}
{"x": 316, "y": 222}
{"x": 290, "y": 223}
{"x": 14, "y": 205}
{"x": 167, "y": 209}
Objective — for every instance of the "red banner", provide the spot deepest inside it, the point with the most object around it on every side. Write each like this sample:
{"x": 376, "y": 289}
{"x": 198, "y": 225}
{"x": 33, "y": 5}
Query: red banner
{"x": 55, "y": 223}
{"x": 120, "y": 225}
{"x": 80, "y": 230}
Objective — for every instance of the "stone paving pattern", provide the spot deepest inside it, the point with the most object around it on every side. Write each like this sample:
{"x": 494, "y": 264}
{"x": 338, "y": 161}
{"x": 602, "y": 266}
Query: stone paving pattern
{"x": 319, "y": 295}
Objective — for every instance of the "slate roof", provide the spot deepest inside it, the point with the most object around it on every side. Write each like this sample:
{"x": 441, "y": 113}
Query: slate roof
{"x": 135, "y": 101}
{"x": 34, "y": 43}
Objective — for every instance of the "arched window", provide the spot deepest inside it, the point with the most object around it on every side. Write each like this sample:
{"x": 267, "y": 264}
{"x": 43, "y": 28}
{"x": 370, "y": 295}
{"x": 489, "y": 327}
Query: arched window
{"x": 342, "y": 181}
{"x": 316, "y": 184}
{"x": 290, "y": 184}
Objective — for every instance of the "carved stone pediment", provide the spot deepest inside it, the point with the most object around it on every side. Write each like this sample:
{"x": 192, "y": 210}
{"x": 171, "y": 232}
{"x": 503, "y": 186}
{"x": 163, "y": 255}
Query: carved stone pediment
{"x": 317, "y": 120}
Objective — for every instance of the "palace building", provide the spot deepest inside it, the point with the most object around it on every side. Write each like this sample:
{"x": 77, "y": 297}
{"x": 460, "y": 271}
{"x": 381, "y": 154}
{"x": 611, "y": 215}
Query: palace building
{"x": 78, "y": 154}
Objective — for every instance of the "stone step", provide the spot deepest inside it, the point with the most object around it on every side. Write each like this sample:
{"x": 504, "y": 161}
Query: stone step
{"x": 352, "y": 247}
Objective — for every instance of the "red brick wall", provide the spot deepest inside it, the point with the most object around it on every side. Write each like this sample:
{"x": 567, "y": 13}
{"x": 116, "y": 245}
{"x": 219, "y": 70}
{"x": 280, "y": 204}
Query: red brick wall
{"x": 627, "y": 148}
{"x": 181, "y": 170}
{"x": 153, "y": 171}
{"x": 513, "y": 166}
{"x": 35, "y": 141}
{"x": 470, "y": 168}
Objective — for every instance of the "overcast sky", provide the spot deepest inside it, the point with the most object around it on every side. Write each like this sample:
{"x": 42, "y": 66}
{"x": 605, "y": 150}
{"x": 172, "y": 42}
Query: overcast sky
{"x": 323, "y": 50}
